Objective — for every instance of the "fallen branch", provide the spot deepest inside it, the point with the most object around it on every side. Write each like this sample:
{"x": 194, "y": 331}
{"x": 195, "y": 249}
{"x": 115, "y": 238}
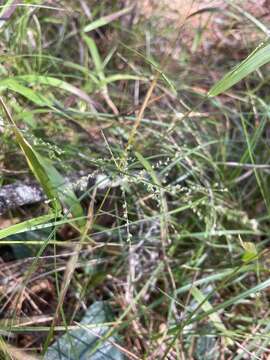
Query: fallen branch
{"x": 18, "y": 194}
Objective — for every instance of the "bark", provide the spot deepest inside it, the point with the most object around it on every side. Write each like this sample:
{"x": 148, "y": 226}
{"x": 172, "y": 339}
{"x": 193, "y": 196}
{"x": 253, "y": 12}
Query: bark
{"x": 20, "y": 193}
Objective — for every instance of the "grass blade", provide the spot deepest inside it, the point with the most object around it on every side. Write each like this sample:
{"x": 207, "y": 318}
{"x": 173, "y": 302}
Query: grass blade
{"x": 34, "y": 96}
{"x": 64, "y": 190}
{"x": 54, "y": 82}
{"x": 105, "y": 20}
{"x": 259, "y": 57}
{"x": 95, "y": 56}
{"x": 25, "y": 225}
{"x": 214, "y": 317}
{"x": 33, "y": 160}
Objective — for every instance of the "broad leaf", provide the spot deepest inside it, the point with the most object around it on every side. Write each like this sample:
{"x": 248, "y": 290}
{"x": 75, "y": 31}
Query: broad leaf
{"x": 86, "y": 342}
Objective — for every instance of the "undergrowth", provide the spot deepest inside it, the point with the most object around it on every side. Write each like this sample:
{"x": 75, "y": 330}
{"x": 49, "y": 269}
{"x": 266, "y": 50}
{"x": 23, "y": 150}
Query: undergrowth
{"x": 176, "y": 241}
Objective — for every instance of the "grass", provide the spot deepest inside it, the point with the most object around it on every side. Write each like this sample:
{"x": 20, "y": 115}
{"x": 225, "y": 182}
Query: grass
{"x": 179, "y": 248}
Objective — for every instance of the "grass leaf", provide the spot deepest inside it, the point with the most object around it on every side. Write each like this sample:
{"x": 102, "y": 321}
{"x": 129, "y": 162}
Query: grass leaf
{"x": 105, "y": 20}
{"x": 259, "y": 57}
{"x": 206, "y": 306}
{"x": 95, "y": 56}
{"x": 25, "y": 225}
{"x": 36, "y": 79}
{"x": 34, "y": 96}
{"x": 33, "y": 159}
{"x": 65, "y": 191}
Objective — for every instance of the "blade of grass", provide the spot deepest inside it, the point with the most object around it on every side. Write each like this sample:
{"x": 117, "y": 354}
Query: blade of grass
{"x": 50, "y": 179}
{"x": 259, "y": 57}
{"x": 95, "y": 57}
{"x": 54, "y": 82}
{"x": 34, "y": 162}
{"x": 234, "y": 300}
{"x": 34, "y": 96}
{"x": 100, "y": 71}
{"x": 214, "y": 317}
{"x": 250, "y": 17}
{"x": 25, "y": 225}
{"x": 259, "y": 180}
{"x": 64, "y": 191}
{"x": 105, "y": 20}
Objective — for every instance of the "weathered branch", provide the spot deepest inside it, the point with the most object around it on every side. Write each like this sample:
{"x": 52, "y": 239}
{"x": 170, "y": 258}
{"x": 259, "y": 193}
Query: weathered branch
{"x": 20, "y": 193}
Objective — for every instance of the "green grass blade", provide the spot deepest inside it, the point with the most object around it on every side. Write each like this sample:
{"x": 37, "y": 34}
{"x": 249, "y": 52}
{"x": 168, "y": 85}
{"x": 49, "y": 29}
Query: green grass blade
{"x": 33, "y": 160}
{"x": 250, "y": 17}
{"x": 214, "y": 317}
{"x": 36, "y": 79}
{"x": 148, "y": 167}
{"x": 234, "y": 300}
{"x": 25, "y": 225}
{"x": 95, "y": 56}
{"x": 259, "y": 57}
{"x": 121, "y": 77}
{"x": 34, "y": 96}
{"x": 65, "y": 191}
{"x": 259, "y": 180}
{"x": 105, "y": 20}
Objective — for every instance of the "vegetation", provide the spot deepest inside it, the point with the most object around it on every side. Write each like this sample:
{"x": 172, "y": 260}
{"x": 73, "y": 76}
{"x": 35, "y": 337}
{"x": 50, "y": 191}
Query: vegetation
{"x": 173, "y": 127}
